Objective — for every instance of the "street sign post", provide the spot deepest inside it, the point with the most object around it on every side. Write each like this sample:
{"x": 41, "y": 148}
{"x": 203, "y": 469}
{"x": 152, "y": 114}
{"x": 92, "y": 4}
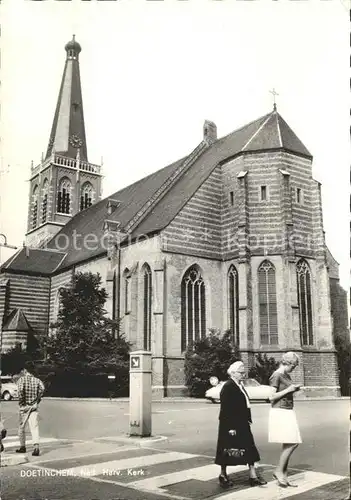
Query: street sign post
{"x": 140, "y": 393}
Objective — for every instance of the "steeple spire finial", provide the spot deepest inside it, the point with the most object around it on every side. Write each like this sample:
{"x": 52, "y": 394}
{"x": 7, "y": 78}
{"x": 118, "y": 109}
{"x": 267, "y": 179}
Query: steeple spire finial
{"x": 274, "y": 93}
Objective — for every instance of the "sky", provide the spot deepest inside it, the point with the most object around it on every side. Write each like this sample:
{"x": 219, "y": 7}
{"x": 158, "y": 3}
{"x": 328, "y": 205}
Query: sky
{"x": 153, "y": 71}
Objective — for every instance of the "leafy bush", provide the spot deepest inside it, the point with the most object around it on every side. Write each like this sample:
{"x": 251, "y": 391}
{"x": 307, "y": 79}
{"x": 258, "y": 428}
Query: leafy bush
{"x": 209, "y": 356}
{"x": 263, "y": 368}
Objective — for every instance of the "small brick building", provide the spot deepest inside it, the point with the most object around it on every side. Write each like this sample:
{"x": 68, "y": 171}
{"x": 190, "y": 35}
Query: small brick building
{"x": 229, "y": 237}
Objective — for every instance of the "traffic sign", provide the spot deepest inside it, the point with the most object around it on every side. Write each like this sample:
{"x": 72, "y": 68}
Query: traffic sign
{"x": 135, "y": 362}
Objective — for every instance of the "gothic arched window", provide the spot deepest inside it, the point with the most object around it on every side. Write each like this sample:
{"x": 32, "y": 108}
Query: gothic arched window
{"x": 64, "y": 196}
{"x": 267, "y": 304}
{"x": 147, "y": 291}
{"x": 35, "y": 196}
{"x": 233, "y": 299}
{"x": 86, "y": 196}
{"x": 305, "y": 302}
{"x": 55, "y": 312}
{"x": 193, "y": 307}
{"x": 44, "y": 206}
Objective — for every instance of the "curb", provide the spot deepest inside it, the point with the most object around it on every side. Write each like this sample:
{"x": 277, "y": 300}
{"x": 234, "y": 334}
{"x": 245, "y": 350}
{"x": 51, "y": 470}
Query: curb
{"x": 12, "y": 459}
{"x": 135, "y": 440}
{"x": 183, "y": 400}
{"x": 126, "y": 400}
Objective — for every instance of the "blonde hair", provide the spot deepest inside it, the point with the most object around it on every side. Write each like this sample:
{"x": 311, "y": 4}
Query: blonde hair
{"x": 290, "y": 358}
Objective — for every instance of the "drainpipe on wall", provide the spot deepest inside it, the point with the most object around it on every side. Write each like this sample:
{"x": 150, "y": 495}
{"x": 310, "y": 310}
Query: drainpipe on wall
{"x": 118, "y": 315}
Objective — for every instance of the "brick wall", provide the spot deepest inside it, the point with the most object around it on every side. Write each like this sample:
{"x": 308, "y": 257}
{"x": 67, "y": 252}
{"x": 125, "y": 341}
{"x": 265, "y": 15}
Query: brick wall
{"x": 196, "y": 230}
{"x": 266, "y": 227}
{"x": 232, "y": 206}
{"x": 31, "y": 294}
{"x": 300, "y": 170}
{"x": 320, "y": 369}
{"x": 58, "y": 281}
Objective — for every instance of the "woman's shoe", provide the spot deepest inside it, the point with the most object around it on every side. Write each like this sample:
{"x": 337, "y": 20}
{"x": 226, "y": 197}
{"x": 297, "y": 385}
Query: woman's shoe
{"x": 291, "y": 485}
{"x": 282, "y": 484}
{"x": 257, "y": 481}
{"x": 224, "y": 481}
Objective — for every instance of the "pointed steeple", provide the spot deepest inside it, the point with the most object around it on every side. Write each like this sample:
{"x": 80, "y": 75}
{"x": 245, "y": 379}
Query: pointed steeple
{"x": 68, "y": 130}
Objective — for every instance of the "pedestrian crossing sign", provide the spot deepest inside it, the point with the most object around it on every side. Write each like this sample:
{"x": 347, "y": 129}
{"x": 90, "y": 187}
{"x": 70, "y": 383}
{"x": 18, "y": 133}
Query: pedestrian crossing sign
{"x": 135, "y": 362}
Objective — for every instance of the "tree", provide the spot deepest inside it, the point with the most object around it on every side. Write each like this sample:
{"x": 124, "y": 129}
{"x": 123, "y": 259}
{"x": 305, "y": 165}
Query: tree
{"x": 206, "y": 357}
{"x": 84, "y": 343}
{"x": 263, "y": 369}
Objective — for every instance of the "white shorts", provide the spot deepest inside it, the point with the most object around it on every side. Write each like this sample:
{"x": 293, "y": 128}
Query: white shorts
{"x": 283, "y": 426}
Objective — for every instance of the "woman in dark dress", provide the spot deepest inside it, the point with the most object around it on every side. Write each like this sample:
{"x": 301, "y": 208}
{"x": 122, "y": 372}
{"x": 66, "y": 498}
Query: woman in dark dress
{"x": 236, "y": 445}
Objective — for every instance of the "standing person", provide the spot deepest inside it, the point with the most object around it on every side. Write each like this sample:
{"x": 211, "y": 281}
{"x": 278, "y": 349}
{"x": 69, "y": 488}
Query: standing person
{"x": 283, "y": 426}
{"x": 236, "y": 444}
{"x": 30, "y": 392}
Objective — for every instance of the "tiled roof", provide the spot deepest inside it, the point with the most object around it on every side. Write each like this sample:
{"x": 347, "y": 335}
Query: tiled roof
{"x": 16, "y": 321}
{"x": 33, "y": 261}
{"x": 270, "y": 132}
{"x": 90, "y": 221}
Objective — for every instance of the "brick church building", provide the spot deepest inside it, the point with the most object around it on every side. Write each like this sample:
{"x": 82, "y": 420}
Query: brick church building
{"x": 229, "y": 237}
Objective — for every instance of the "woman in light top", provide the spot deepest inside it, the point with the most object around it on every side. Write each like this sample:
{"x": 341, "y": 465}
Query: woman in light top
{"x": 283, "y": 426}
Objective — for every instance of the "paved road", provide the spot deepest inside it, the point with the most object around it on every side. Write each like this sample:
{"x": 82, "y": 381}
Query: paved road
{"x": 182, "y": 464}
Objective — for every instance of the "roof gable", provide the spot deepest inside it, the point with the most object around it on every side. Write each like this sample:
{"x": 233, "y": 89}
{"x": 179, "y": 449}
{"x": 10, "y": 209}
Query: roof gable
{"x": 16, "y": 321}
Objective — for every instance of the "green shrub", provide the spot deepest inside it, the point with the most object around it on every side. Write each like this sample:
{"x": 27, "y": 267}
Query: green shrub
{"x": 209, "y": 356}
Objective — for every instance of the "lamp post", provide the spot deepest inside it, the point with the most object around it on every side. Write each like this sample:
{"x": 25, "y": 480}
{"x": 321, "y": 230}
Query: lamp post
{"x": 5, "y": 244}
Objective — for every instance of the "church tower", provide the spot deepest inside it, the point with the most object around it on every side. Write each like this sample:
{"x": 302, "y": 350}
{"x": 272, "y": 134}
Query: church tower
{"x": 64, "y": 183}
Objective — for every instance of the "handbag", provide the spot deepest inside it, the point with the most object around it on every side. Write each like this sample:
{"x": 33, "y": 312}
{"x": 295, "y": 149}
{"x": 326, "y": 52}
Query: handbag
{"x": 234, "y": 452}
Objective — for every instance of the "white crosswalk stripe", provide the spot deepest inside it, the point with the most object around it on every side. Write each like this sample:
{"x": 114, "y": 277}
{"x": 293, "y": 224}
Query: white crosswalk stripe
{"x": 129, "y": 463}
{"x": 167, "y": 477}
{"x": 204, "y": 473}
{"x": 305, "y": 481}
{"x": 12, "y": 441}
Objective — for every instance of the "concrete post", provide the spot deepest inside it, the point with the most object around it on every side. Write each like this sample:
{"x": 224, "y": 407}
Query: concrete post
{"x": 140, "y": 393}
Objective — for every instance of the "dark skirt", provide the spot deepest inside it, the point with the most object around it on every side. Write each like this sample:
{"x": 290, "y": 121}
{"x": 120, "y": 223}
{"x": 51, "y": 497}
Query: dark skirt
{"x": 243, "y": 440}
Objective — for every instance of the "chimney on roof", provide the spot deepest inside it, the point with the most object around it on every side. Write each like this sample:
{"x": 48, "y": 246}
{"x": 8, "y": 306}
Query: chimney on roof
{"x": 210, "y": 131}
{"x": 26, "y": 249}
{"x": 112, "y": 205}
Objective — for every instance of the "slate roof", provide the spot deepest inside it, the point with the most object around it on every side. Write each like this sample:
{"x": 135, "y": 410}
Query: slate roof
{"x": 16, "y": 321}
{"x": 270, "y": 132}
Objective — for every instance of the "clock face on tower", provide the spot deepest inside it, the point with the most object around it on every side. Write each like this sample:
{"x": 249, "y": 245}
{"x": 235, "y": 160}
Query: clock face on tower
{"x": 75, "y": 141}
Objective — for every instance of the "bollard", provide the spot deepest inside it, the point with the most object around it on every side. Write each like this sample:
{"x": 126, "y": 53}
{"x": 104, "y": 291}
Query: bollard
{"x": 140, "y": 393}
